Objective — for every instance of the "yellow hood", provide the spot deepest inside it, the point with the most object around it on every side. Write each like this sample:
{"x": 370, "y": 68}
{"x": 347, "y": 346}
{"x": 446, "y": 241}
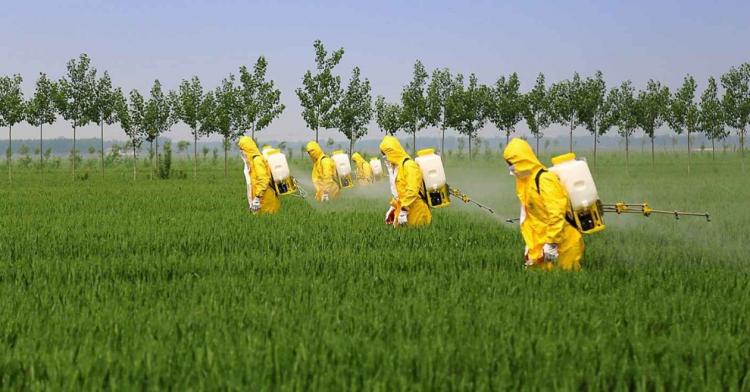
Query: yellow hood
{"x": 248, "y": 146}
{"x": 358, "y": 158}
{"x": 391, "y": 148}
{"x": 313, "y": 148}
{"x": 519, "y": 154}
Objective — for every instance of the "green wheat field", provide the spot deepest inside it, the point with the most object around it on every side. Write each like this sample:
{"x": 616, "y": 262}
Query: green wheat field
{"x": 110, "y": 283}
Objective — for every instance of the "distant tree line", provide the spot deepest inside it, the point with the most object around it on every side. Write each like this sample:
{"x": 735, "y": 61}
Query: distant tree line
{"x": 250, "y": 102}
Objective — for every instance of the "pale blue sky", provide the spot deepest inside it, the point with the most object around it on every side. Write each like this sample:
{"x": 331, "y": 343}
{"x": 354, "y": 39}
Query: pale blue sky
{"x": 138, "y": 41}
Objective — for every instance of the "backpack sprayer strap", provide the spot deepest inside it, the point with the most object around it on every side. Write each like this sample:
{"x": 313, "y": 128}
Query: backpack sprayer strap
{"x": 422, "y": 192}
{"x": 568, "y": 213}
{"x": 273, "y": 182}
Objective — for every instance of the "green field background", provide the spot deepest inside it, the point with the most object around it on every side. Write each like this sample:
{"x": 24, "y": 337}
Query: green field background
{"x": 110, "y": 283}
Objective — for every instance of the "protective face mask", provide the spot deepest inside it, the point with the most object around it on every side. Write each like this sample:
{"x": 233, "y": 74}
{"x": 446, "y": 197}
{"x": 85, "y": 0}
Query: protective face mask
{"x": 522, "y": 174}
{"x": 518, "y": 174}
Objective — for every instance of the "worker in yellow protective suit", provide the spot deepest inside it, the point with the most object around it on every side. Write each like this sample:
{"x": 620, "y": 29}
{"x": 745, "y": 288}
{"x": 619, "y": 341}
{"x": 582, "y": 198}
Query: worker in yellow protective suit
{"x": 323, "y": 173}
{"x": 408, "y": 205}
{"x": 261, "y": 193}
{"x": 364, "y": 171}
{"x": 551, "y": 239}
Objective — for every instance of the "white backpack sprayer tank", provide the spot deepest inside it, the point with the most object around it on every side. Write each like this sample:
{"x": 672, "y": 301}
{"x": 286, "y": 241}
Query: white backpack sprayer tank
{"x": 576, "y": 178}
{"x": 377, "y": 167}
{"x": 433, "y": 175}
{"x": 343, "y": 168}
{"x": 265, "y": 150}
{"x": 282, "y": 179}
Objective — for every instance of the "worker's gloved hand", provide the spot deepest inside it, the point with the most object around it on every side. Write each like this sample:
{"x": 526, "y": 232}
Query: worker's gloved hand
{"x": 550, "y": 252}
{"x": 255, "y": 205}
{"x": 324, "y": 197}
{"x": 390, "y": 215}
{"x": 403, "y": 217}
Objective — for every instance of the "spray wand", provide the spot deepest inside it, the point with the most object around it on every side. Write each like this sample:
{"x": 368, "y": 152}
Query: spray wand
{"x": 467, "y": 199}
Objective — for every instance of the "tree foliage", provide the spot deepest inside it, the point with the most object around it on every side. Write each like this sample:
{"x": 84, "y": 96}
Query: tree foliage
{"x": 567, "y": 103}
{"x": 711, "y": 114}
{"x": 355, "y": 109}
{"x": 259, "y": 101}
{"x": 466, "y": 107}
{"x": 414, "y": 114}
{"x": 321, "y": 91}
{"x": 537, "y": 108}
{"x": 388, "y": 116}
{"x": 40, "y": 109}
{"x": 736, "y": 100}
{"x": 505, "y": 108}
{"x": 76, "y": 90}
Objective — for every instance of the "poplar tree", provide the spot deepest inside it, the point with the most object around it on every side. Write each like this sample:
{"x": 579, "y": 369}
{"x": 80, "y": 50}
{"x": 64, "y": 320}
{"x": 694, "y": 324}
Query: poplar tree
{"x": 40, "y": 110}
{"x": 355, "y": 109}
{"x": 651, "y": 110}
{"x": 259, "y": 100}
{"x": 321, "y": 91}
{"x": 536, "y": 109}
{"x": 414, "y": 115}
{"x": 388, "y": 116}
{"x": 683, "y": 111}
{"x": 437, "y": 94}
{"x": 12, "y": 111}
{"x": 711, "y": 115}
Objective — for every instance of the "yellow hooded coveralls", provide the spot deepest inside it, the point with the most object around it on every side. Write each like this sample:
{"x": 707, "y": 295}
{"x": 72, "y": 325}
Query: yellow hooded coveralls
{"x": 260, "y": 176}
{"x": 364, "y": 171}
{"x": 544, "y": 219}
{"x": 323, "y": 172}
{"x": 408, "y": 183}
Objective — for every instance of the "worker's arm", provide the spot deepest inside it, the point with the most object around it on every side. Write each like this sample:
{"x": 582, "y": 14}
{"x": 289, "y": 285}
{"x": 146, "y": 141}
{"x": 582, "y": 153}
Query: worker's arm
{"x": 413, "y": 184}
{"x": 556, "y": 202}
{"x": 262, "y": 178}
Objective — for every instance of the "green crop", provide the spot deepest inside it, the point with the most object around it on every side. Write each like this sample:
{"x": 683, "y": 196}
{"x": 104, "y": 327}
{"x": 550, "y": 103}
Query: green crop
{"x": 110, "y": 284}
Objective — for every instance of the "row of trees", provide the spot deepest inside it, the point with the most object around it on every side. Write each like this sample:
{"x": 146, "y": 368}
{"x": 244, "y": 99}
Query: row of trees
{"x": 450, "y": 101}
{"x": 81, "y": 97}
{"x": 438, "y": 99}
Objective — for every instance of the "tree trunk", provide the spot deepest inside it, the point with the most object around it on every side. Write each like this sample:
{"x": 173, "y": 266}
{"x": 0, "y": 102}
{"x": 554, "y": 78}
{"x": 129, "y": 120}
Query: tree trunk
{"x": 595, "y": 148}
{"x": 571, "y": 136}
{"x": 442, "y": 144}
{"x": 742, "y": 149}
{"x": 688, "y": 131}
{"x": 41, "y": 150}
{"x": 135, "y": 160}
{"x": 316, "y": 136}
{"x": 414, "y": 143}
{"x": 225, "y": 156}
{"x": 652, "y": 151}
{"x": 351, "y": 147}
{"x": 469, "y": 146}
{"x": 507, "y": 137}
{"x": 151, "y": 158}
{"x": 101, "y": 123}
{"x": 627, "y": 157}
{"x": 9, "y": 158}
{"x": 713, "y": 150}
{"x": 537, "y": 144}
{"x": 252, "y": 133}
{"x": 157, "y": 152}
{"x": 195, "y": 153}
{"x": 75, "y": 154}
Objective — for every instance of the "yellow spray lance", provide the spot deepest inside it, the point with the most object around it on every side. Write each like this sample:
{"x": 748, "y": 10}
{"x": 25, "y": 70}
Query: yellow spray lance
{"x": 587, "y": 209}
{"x": 646, "y": 210}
